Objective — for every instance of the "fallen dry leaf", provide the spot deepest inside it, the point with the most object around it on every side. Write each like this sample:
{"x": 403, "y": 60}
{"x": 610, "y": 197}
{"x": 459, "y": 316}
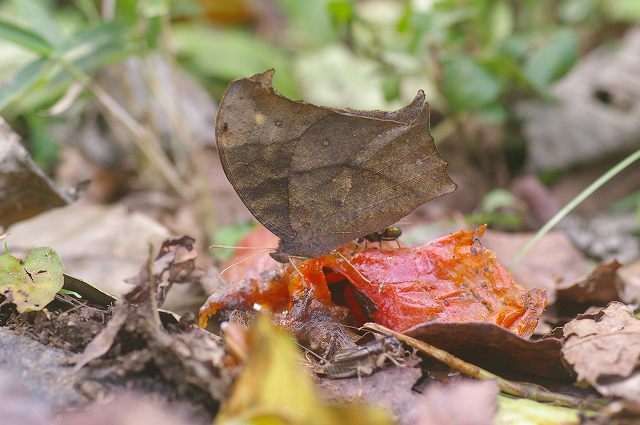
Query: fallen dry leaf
{"x": 103, "y": 245}
{"x": 495, "y": 348}
{"x": 628, "y": 282}
{"x": 588, "y": 127}
{"x": 174, "y": 263}
{"x": 604, "y": 348}
{"x": 551, "y": 262}
{"x": 441, "y": 404}
{"x": 25, "y": 190}
{"x": 188, "y": 357}
{"x": 390, "y": 388}
{"x": 598, "y": 288}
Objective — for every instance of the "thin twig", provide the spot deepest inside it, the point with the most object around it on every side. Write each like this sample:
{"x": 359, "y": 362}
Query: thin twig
{"x": 144, "y": 138}
{"x": 517, "y": 389}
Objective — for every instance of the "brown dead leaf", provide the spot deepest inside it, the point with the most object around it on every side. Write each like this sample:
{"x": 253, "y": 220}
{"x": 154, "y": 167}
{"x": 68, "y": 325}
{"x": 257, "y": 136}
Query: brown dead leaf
{"x": 188, "y": 357}
{"x": 174, "y": 263}
{"x": 628, "y": 282}
{"x": 494, "y": 347}
{"x": 390, "y": 388}
{"x": 25, "y": 190}
{"x": 604, "y": 349}
{"x": 103, "y": 245}
{"x": 553, "y": 261}
{"x": 442, "y": 404}
{"x": 104, "y": 340}
{"x": 597, "y": 288}
{"x": 315, "y": 188}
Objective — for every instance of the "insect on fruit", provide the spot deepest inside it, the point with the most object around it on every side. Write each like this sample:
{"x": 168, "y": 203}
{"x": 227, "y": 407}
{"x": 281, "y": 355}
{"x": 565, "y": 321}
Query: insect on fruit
{"x": 391, "y": 233}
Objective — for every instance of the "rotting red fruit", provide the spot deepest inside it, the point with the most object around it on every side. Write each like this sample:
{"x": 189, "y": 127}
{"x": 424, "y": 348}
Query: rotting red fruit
{"x": 452, "y": 279}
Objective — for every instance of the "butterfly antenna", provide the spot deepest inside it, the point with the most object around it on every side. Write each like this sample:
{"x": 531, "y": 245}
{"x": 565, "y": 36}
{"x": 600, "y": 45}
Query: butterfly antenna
{"x": 299, "y": 272}
{"x": 239, "y": 247}
{"x": 262, "y": 251}
{"x": 353, "y": 267}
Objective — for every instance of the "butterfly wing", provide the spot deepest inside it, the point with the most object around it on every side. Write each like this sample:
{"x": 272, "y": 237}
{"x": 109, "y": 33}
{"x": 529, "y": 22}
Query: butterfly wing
{"x": 256, "y": 131}
{"x": 353, "y": 174}
{"x": 320, "y": 177}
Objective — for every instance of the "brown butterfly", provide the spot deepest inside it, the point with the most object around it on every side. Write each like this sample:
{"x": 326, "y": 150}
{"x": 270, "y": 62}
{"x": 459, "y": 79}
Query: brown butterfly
{"x": 320, "y": 177}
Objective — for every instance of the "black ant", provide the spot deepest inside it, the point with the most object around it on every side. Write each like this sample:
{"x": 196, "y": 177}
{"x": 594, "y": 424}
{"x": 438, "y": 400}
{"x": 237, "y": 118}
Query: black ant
{"x": 391, "y": 233}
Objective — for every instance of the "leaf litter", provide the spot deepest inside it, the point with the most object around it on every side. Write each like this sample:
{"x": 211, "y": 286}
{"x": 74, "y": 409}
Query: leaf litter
{"x": 324, "y": 300}
{"x": 603, "y": 348}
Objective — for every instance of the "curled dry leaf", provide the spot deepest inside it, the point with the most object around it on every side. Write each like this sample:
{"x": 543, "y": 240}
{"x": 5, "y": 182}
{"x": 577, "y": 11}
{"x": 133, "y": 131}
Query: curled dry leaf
{"x": 174, "y": 264}
{"x": 495, "y": 348}
{"x": 188, "y": 358}
{"x": 451, "y": 279}
{"x": 31, "y": 283}
{"x": 25, "y": 190}
{"x": 320, "y": 177}
{"x": 597, "y": 288}
{"x": 628, "y": 282}
{"x": 604, "y": 348}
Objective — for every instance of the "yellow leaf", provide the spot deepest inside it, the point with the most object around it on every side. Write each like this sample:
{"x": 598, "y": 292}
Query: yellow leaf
{"x": 275, "y": 389}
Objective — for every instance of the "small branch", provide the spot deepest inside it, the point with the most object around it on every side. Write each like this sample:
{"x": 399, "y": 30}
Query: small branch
{"x": 517, "y": 389}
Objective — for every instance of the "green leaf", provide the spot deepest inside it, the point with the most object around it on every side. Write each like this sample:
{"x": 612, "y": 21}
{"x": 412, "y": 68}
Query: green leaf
{"x": 623, "y": 10}
{"x": 523, "y": 411}
{"x": 553, "y": 60}
{"x": 31, "y": 283}
{"x": 467, "y": 84}
{"x": 22, "y": 81}
{"x": 39, "y": 19}
{"x": 230, "y": 236}
{"x": 228, "y": 55}
{"x": 274, "y": 388}
{"x": 155, "y": 8}
{"x": 25, "y": 38}
{"x": 341, "y": 11}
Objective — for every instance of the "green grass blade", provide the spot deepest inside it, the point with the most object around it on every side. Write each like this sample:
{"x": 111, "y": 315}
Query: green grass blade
{"x": 22, "y": 81}
{"x": 599, "y": 182}
{"x": 25, "y": 38}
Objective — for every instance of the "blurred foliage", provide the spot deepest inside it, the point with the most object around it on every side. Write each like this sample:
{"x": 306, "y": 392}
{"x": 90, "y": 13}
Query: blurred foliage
{"x": 274, "y": 388}
{"x": 501, "y": 209}
{"x": 473, "y": 58}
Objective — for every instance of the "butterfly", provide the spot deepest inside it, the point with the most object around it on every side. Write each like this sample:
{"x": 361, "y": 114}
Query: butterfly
{"x": 319, "y": 177}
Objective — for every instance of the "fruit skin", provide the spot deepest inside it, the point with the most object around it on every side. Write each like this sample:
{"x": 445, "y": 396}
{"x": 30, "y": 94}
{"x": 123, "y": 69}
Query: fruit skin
{"x": 451, "y": 279}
